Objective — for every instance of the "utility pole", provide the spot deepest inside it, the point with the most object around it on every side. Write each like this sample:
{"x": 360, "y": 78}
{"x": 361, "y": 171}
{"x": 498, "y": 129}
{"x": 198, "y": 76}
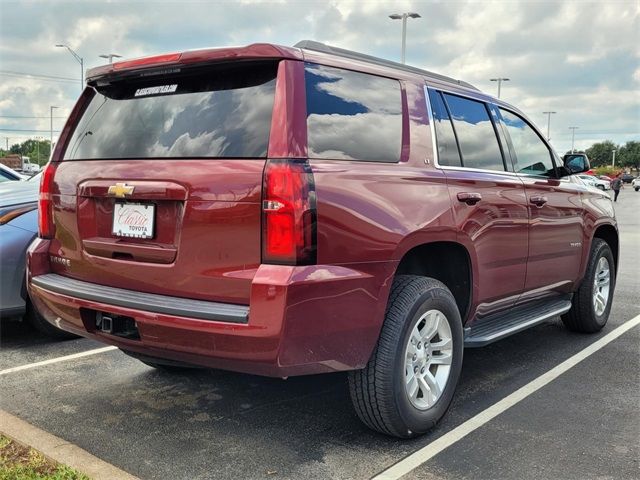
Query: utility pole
{"x": 80, "y": 61}
{"x": 499, "y": 80}
{"x": 613, "y": 164}
{"x": 51, "y": 108}
{"x": 548, "y": 114}
{"x": 573, "y": 137}
{"x": 403, "y": 17}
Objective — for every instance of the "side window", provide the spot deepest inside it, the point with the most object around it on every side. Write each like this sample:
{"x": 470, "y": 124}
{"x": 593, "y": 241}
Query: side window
{"x": 476, "y": 136}
{"x": 532, "y": 155}
{"x": 352, "y": 116}
{"x": 448, "y": 153}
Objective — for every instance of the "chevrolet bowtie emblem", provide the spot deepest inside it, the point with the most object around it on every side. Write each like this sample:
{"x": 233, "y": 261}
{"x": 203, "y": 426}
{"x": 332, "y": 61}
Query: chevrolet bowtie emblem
{"x": 120, "y": 190}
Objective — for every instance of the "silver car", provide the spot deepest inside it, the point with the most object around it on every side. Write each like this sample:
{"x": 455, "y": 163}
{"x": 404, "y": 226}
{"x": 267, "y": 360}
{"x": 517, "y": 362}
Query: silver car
{"x": 18, "y": 228}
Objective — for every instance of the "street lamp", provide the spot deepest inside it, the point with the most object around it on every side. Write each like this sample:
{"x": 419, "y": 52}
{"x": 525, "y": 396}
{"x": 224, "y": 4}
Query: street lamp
{"x": 110, "y": 56}
{"x": 51, "y": 109}
{"x": 499, "y": 80}
{"x": 573, "y": 137}
{"x": 79, "y": 59}
{"x": 403, "y": 17}
{"x": 548, "y": 114}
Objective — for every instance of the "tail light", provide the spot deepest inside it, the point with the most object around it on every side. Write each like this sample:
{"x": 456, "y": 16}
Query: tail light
{"x": 288, "y": 213}
{"x": 46, "y": 227}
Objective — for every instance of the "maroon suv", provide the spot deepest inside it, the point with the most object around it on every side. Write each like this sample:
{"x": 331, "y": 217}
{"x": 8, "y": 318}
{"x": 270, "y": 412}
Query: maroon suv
{"x": 290, "y": 211}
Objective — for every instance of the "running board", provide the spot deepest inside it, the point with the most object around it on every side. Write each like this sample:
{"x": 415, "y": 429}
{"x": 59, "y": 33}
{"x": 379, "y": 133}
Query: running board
{"x": 497, "y": 327}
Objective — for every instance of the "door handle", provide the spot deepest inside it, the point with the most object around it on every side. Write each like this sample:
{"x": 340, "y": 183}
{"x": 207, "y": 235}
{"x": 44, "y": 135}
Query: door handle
{"x": 470, "y": 198}
{"x": 538, "y": 201}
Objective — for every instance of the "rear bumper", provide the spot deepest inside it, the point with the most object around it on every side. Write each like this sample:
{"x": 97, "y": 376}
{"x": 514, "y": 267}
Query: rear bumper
{"x": 300, "y": 320}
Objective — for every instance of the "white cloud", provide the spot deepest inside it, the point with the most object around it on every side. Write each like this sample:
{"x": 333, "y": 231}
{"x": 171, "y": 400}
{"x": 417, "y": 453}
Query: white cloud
{"x": 581, "y": 59}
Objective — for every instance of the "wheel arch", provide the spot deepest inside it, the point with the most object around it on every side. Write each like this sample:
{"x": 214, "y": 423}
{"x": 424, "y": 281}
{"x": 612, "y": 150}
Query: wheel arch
{"x": 446, "y": 261}
{"x": 609, "y": 234}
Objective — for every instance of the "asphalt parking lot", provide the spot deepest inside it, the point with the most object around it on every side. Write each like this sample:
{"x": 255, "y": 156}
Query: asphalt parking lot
{"x": 209, "y": 424}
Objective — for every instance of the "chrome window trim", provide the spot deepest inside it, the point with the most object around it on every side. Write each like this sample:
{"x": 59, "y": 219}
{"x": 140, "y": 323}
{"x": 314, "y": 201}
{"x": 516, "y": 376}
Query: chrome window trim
{"x": 432, "y": 126}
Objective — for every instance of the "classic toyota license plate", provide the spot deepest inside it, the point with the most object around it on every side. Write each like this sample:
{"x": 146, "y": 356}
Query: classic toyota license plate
{"x": 133, "y": 220}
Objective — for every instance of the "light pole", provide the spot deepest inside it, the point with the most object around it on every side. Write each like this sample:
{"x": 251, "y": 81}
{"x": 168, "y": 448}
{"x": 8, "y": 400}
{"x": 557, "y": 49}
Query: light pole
{"x": 110, "y": 56}
{"x": 51, "y": 109}
{"x": 613, "y": 164}
{"x": 573, "y": 137}
{"x": 499, "y": 80}
{"x": 403, "y": 17}
{"x": 79, "y": 59}
{"x": 548, "y": 114}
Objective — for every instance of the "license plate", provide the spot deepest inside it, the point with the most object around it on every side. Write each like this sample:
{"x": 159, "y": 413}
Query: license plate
{"x": 133, "y": 220}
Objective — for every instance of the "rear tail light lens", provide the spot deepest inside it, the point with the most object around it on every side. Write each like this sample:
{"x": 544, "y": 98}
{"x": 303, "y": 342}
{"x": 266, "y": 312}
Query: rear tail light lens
{"x": 46, "y": 227}
{"x": 288, "y": 213}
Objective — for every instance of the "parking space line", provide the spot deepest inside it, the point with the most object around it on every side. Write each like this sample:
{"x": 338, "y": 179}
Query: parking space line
{"x": 421, "y": 456}
{"x": 57, "y": 360}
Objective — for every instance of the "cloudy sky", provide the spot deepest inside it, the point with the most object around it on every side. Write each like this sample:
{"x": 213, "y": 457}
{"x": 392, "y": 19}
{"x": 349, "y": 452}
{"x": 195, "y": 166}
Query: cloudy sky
{"x": 579, "y": 58}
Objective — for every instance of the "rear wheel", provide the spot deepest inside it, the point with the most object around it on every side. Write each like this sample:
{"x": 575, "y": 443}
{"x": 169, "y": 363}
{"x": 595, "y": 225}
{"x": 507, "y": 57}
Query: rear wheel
{"x": 591, "y": 304}
{"x": 409, "y": 382}
{"x": 40, "y": 324}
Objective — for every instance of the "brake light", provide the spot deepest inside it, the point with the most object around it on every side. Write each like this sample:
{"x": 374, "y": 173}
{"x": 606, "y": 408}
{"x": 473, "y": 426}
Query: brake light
{"x": 288, "y": 213}
{"x": 46, "y": 227}
{"x": 141, "y": 62}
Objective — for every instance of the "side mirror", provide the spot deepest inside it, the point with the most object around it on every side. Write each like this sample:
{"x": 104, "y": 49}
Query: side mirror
{"x": 576, "y": 163}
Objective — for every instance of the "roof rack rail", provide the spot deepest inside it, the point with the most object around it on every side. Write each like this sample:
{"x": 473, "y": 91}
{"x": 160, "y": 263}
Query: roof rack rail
{"x": 321, "y": 47}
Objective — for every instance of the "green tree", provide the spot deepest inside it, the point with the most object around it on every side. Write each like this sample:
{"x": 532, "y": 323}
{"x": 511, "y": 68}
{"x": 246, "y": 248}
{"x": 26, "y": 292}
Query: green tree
{"x": 601, "y": 153}
{"x": 37, "y": 150}
{"x": 629, "y": 155}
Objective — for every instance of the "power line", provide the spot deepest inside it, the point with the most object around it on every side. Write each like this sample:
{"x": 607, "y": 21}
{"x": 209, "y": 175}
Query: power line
{"x": 38, "y": 76}
{"x": 25, "y": 130}
{"x": 23, "y": 116}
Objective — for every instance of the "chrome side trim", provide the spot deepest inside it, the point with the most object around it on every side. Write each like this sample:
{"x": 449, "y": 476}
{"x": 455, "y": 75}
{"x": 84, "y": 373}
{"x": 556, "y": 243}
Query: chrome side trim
{"x": 150, "y": 302}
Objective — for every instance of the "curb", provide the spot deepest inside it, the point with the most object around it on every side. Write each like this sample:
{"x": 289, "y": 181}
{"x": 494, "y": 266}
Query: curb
{"x": 59, "y": 450}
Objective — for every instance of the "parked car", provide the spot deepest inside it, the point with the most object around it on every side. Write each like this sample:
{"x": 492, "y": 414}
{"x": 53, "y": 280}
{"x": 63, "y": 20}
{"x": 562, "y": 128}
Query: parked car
{"x": 627, "y": 177}
{"x": 596, "y": 182}
{"x": 290, "y": 211}
{"x": 635, "y": 183}
{"x": 9, "y": 175}
{"x": 18, "y": 228}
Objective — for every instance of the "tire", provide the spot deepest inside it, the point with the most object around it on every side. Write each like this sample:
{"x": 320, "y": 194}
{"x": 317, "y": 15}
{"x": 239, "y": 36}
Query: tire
{"x": 378, "y": 391}
{"x": 601, "y": 187}
{"x": 41, "y": 325}
{"x": 165, "y": 365}
{"x": 637, "y": 188}
{"x": 586, "y": 314}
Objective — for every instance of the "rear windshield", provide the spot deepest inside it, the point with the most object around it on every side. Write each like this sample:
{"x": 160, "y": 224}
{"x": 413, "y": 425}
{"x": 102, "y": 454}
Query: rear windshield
{"x": 215, "y": 112}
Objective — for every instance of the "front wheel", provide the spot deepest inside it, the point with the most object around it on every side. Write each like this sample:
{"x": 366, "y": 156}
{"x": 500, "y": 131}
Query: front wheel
{"x": 591, "y": 303}
{"x": 409, "y": 381}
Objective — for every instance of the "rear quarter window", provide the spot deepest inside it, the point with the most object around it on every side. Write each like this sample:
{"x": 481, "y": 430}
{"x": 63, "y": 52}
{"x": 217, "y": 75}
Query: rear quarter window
{"x": 352, "y": 115}
{"x": 223, "y": 111}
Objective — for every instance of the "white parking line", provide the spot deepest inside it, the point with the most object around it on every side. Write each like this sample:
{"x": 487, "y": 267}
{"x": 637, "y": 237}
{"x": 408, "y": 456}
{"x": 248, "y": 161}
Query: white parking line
{"x": 57, "y": 360}
{"x": 421, "y": 456}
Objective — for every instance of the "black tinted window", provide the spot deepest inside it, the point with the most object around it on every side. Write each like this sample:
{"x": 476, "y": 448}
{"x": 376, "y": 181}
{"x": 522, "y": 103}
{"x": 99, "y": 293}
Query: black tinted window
{"x": 221, "y": 112}
{"x": 352, "y": 116}
{"x": 448, "y": 153}
{"x": 532, "y": 155}
{"x": 477, "y": 138}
